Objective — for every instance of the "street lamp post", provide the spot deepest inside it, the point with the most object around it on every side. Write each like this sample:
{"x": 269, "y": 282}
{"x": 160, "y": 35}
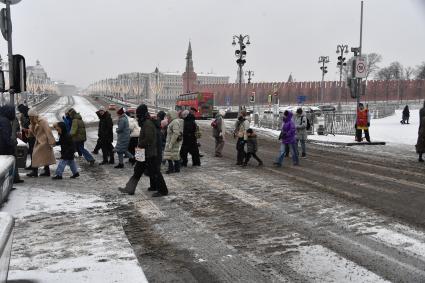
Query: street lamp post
{"x": 323, "y": 60}
{"x": 341, "y": 49}
{"x": 250, "y": 74}
{"x": 240, "y": 55}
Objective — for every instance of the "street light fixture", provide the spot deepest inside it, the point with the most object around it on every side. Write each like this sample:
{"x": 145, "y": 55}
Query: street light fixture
{"x": 240, "y": 55}
{"x": 341, "y": 49}
{"x": 250, "y": 74}
{"x": 323, "y": 60}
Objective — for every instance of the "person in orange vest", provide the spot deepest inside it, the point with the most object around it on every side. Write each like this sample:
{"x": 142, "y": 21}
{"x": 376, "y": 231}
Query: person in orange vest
{"x": 362, "y": 122}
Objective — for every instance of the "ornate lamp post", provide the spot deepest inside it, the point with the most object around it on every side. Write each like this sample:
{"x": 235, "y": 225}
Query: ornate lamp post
{"x": 323, "y": 60}
{"x": 240, "y": 55}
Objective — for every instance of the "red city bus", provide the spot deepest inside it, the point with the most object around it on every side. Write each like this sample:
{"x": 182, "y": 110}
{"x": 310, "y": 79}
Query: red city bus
{"x": 201, "y": 102}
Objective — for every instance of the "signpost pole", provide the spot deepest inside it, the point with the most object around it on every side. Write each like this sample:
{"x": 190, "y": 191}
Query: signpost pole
{"x": 359, "y": 81}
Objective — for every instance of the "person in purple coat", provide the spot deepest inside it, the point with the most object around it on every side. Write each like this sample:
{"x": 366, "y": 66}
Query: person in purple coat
{"x": 288, "y": 136}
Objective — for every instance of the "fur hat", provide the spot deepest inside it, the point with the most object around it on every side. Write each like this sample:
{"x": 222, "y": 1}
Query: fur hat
{"x": 184, "y": 113}
{"x": 33, "y": 112}
{"x": 101, "y": 108}
{"x": 120, "y": 111}
{"x": 222, "y": 112}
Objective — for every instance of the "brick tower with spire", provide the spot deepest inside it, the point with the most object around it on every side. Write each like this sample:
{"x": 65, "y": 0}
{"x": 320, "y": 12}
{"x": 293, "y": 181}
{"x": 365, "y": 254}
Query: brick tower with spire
{"x": 189, "y": 76}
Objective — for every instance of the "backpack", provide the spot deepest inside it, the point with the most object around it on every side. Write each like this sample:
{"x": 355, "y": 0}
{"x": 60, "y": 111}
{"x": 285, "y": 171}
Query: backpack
{"x": 308, "y": 127}
{"x": 214, "y": 123}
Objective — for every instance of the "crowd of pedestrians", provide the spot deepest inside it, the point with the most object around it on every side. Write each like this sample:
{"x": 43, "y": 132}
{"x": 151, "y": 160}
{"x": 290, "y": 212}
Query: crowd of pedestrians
{"x": 149, "y": 141}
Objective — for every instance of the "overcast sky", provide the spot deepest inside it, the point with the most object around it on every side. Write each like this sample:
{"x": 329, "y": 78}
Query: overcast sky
{"x": 82, "y": 41}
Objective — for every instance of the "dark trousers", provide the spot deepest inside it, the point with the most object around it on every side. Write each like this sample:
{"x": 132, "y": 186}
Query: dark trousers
{"x": 132, "y": 145}
{"x": 359, "y": 135}
{"x": 107, "y": 151}
{"x": 253, "y": 154}
{"x": 193, "y": 150}
{"x": 155, "y": 177}
{"x": 173, "y": 166}
{"x": 240, "y": 147}
{"x": 97, "y": 147}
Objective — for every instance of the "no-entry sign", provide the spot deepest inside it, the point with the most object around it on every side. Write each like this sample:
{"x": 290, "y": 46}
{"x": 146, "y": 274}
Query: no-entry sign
{"x": 361, "y": 67}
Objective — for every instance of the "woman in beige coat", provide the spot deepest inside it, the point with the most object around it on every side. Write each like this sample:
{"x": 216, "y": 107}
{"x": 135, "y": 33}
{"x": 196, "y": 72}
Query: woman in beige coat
{"x": 173, "y": 142}
{"x": 44, "y": 141}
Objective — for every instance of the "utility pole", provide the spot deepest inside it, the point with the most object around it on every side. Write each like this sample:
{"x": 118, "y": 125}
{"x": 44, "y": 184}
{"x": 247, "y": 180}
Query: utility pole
{"x": 240, "y": 55}
{"x": 7, "y": 34}
{"x": 323, "y": 60}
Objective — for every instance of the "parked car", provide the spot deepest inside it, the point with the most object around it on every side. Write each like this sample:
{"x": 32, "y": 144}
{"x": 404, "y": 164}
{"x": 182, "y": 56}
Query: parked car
{"x": 112, "y": 107}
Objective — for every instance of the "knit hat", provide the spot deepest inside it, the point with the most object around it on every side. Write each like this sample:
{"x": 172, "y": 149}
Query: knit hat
{"x": 120, "y": 111}
{"x": 33, "y": 112}
{"x": 101, "y": 108}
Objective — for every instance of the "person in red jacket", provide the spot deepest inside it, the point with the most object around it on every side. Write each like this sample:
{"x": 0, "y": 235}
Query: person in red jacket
{"x": 362, "y": 122}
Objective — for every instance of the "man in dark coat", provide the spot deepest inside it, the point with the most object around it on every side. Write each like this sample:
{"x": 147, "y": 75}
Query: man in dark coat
{"x": 9, "y": 129}
{"x": 420, "y": 145}
{"x": 7, "y": 115}
{"x": 105, "y": 136}
{"x": 190, "y": 144}
{"x": 148, "y": 140}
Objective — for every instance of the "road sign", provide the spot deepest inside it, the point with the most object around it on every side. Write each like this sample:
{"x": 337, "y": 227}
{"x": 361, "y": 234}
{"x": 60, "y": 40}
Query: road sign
{"x": 252, "y": 97}
{"x": 301, "y": 99}
{"x": 361, "y": 67}
{"x": 227, "y": 100}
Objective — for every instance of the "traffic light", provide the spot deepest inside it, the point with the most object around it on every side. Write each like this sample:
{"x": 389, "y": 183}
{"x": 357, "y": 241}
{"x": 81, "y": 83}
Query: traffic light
{"x": 341, "y": 61}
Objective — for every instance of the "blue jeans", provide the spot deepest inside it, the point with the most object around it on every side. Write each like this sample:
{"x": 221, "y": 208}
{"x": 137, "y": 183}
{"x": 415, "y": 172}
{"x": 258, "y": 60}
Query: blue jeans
{"x": 86, "y": 154}
{"x": 302, "y": 146}
{"x": 63, "y": 163}
{"x": 293, "y": 148}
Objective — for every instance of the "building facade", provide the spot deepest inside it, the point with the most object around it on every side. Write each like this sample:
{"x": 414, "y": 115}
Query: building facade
{"x": 161, "y": 88}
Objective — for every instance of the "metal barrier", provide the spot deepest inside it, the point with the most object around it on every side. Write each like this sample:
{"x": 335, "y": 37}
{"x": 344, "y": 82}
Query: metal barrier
{"x": 7, "y": 224}
{"x": 339, "y": 123}
{"x": 7, "y": 163}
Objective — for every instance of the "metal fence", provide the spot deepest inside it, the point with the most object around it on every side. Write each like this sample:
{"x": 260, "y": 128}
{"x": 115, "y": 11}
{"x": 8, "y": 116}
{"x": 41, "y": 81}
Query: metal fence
{"x": 339, "y": 123}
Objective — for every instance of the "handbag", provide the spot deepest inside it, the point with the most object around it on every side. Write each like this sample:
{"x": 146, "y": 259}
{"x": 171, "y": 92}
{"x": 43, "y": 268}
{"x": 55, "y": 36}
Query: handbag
{"x": 140, "y": 154}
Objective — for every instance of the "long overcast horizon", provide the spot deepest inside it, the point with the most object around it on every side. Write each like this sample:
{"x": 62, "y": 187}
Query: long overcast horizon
{"x": 82, "y": 41}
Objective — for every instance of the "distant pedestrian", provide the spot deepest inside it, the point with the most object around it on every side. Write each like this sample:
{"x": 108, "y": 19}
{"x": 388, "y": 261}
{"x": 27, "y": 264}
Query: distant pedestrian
{"x": 301, "y": 126}
{"x": 189, "y": 144}
{"x": 42, "y": 155}
{"x": 362, "y": 122}
{"x": 420, "y": 145}
{"x": 288, "y": 137}
{"x": 123, "y": 139}
{"x": 405, "y": 115}
{"x": 239, "y": 132}
{"x": 24, "y": 119}
{"x": 163, "y": 123}
{"x": 173, "y": 142}
{"x": 251, "y": 147}
{"x": 149, "y": 143}
{"x": 67, "y": 152}
{"x": 134, "y": 133}
{"x": 16, "y": 133}
{"x": 105, "y": 136}
{"x": 219, "y": 131}
{"x": 78, "y": 134}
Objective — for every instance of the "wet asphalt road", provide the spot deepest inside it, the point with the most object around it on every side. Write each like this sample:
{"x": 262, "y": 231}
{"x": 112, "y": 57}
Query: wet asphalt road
{"x": 341, "y": 216}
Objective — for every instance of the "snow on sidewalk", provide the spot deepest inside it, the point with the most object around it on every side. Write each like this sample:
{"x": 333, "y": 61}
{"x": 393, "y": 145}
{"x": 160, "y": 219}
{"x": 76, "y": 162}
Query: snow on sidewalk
{"x": 65, "y": 236}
